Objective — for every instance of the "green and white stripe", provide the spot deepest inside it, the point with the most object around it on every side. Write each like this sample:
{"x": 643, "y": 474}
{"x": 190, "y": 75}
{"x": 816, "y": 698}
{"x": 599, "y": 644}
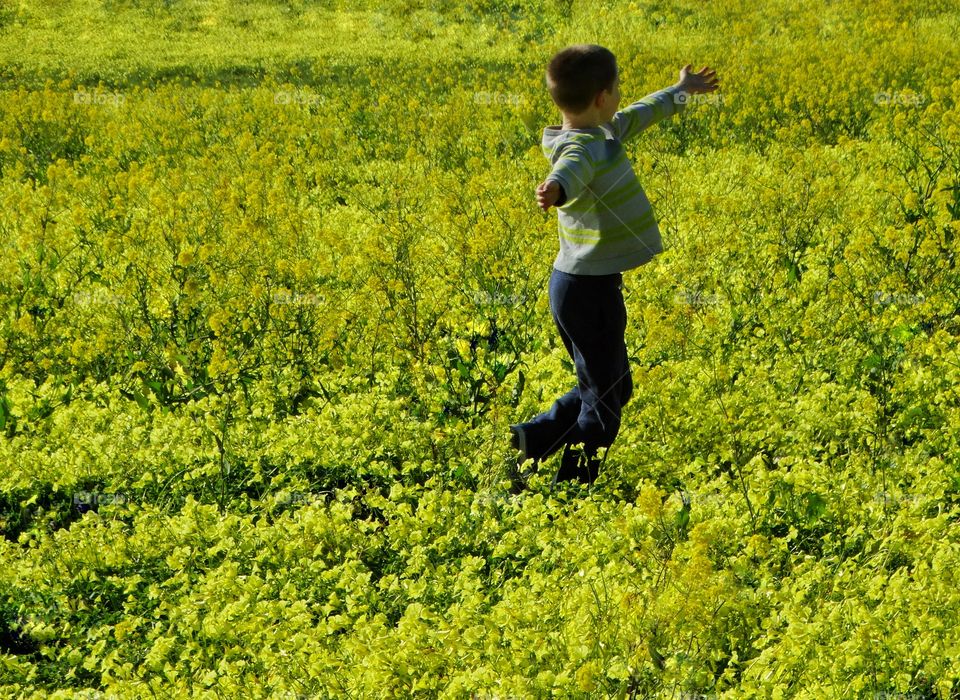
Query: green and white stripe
{"x": 606, "y": 223}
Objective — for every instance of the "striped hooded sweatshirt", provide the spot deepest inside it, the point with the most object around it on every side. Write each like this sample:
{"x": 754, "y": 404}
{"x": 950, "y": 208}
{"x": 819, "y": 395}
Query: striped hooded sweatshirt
{"x": 605, "y": 221}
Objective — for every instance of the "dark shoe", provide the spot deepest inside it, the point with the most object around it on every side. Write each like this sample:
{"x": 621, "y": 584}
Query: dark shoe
{"x": 589, "y": 467}
{"x": 578, "y": 465}
{"x": 569, "y": 465}
{"x": 514, "y": 437}
{"x": 519, "y": 476}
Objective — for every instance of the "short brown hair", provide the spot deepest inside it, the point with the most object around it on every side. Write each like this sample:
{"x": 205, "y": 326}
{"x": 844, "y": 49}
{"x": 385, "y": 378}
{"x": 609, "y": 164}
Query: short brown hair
{"x": 577, "y": 73}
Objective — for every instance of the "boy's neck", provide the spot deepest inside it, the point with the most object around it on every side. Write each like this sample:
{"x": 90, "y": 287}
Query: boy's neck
{"x": 568, "y": 125}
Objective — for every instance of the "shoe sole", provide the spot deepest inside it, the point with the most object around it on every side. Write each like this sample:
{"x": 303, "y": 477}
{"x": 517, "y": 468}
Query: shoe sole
{"x": 519, "y": 478}
{"x": 586, "y": 474}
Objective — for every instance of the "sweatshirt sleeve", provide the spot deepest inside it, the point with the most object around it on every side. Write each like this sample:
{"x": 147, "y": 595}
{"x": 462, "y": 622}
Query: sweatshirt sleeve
{"x": 573, "y": 170}
{"x": 647, "y": 111}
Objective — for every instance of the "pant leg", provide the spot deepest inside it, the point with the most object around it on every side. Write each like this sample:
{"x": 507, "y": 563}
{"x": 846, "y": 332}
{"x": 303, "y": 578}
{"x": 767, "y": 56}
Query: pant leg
{"x": 546, "y": 433}
{"x": 626, "y": 381}
{"x": 593, "y": 316}
{"x": 620, "y": 315}
{"x": 590, "y": 316}
{"x": 550, "y": 430}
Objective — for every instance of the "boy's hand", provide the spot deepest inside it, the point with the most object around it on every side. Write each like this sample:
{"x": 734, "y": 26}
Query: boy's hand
{"x": 548, "y": 192}
{"x": 704, "y": 80}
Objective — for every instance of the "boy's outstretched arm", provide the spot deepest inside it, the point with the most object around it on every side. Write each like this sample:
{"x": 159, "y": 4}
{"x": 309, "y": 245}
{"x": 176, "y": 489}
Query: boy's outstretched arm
{"x": 571, "y": 173}
{"x": 657, "y": 106}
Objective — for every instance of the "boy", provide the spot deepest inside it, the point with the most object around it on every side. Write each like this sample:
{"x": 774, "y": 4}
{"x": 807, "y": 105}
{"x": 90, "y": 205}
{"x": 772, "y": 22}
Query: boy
{"x": 606, "y": 227}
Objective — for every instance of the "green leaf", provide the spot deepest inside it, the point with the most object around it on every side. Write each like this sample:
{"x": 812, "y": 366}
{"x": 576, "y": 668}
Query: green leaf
{"x": 903, "y": 333}
{"x": 816, "y": 507}
{"x": 682, "y": 519}
{"x": 141, "y": 400}
{"x": 872, "y": 361}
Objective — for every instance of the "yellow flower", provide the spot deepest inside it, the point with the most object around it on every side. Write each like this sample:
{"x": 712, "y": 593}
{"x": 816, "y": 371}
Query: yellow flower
{"x": 216, "y": 321}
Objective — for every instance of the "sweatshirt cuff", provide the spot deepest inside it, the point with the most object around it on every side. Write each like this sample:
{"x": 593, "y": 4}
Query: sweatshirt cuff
{"x": 679, "y": 97}
{"x": 564, "y": 190}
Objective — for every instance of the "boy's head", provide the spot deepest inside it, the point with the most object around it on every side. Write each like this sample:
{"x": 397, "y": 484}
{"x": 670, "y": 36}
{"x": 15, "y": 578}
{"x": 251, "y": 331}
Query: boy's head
{"x": 584, "y": 83}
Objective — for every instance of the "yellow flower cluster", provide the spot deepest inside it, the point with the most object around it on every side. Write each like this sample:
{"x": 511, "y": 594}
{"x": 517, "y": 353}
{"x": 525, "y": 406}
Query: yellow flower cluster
{"x": 293, "y": 317}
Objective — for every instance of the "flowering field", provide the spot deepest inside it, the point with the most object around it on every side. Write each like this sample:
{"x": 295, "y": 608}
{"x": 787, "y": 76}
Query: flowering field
{"x": 274, "y": 284}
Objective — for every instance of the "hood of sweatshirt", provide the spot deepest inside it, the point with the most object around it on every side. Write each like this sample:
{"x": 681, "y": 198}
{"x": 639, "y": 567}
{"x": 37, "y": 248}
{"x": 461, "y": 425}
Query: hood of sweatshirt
{"x": 555, "y": 136}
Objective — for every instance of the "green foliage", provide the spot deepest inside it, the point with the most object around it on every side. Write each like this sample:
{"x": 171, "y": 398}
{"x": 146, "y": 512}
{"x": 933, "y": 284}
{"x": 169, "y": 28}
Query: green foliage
{"x": 269, "y": 306}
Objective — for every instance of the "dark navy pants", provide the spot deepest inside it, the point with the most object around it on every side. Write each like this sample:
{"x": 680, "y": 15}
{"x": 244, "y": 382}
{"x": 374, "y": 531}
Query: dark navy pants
{"x": 590, "y": 315}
